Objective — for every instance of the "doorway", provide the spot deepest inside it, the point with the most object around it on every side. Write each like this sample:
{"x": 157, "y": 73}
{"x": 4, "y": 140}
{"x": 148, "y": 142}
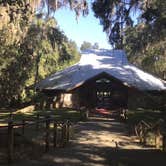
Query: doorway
{"x": 110, "y": 94}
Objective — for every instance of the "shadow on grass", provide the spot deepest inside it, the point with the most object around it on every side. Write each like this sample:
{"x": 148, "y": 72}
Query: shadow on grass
{"x": 88, "y": 155}
{"x": 91, "y": 154}
{"x": 58, "y": 114}
{"x": 151, "y": 116}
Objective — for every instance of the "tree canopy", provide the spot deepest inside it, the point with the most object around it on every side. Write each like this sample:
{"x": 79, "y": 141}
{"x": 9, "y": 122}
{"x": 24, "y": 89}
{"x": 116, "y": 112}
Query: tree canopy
{"x": 138, "y": 26}
{"x": 31, "y": 48}
{"x": 87, "y": 45}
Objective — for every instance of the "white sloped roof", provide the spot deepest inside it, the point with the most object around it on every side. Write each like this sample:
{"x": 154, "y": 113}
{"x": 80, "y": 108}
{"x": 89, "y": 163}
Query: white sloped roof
{"x": 94, "y": 62}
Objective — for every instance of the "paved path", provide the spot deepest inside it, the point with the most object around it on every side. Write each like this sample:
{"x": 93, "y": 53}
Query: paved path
{"x": 100, "y": 142}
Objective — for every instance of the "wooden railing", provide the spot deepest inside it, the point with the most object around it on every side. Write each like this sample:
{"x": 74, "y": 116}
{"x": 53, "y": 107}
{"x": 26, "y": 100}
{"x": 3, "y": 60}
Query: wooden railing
{"x": 53, "y": 129}
{"x": 142, "y": 129}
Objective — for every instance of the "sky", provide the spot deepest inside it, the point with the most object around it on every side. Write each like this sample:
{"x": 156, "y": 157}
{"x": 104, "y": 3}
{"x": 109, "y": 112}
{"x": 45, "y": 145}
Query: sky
{"x": 86, "y": 29}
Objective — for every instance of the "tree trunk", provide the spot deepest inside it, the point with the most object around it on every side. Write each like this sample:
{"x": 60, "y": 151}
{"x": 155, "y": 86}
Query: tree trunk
{"x": 37, "y": 70}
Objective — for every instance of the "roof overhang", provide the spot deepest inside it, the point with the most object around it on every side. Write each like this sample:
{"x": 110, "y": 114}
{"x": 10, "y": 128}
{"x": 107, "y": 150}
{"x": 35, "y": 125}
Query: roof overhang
{"x": 96, "y": 63}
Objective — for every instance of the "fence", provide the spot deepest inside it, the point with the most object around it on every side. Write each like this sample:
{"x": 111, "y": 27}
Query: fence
{"x": 143, "y": 128}
{"x": 48, "y": 129}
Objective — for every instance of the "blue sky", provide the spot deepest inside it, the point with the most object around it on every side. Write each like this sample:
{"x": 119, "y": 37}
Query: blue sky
{"x": 86, "y": 29}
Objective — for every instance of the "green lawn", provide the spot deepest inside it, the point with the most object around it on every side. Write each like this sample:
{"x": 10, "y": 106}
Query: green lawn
{"x": 59, "y": 114}
{"x": 30, "y": 139}
{"x": 150, "y": 116}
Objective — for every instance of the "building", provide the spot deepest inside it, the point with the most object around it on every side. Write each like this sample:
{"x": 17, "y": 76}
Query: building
{"x": 102, "y": 78}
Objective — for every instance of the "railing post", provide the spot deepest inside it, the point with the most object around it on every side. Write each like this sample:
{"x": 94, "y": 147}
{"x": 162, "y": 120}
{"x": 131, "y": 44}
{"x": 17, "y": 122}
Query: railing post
{"x": 47, "y": 145}
{"x": 55, "y": 135}
{"x": 164, "y": 143}
{"x": 10, "y": 141}
{"x": 37, "y": 122}
{"x": 11, "y": 115}
{"x": 141, "y": 134}
{"x": 68, "y": 131}
{"x": 63, "y": 135}
{"x": 23, "y": 126}
{"x": 157, "y": 137}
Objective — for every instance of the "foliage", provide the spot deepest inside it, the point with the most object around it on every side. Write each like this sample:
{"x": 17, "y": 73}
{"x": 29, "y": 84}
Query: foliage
{"x": 87, "y": 45}
{"x": 30, "y": 49}
{"x": 151, "y": 116}
{"x": 50, "y": 6}
{"x": 145, "y": 46}
{"x": 58, "y": 114}
{"x": 138, "y": 26}
{"x": 95, "y": 46}
{"x": 114, "y": 16}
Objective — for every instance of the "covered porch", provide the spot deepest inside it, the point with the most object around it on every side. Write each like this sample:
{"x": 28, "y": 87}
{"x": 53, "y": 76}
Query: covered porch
{"x": 101, "y": 91}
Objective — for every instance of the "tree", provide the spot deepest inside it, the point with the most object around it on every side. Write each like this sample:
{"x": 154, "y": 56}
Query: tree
{"x": 144, "y": 38}
{"x": 114, "y": 16}
{"x": 78, "y": 6}
{"x": 149, "y": 54}
{"x": 30, "y": 49}
{"x": 85, "y": 45}
{"x": 95, "y": 46}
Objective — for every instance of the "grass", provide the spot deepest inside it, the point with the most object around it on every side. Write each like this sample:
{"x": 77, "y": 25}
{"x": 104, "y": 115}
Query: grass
{"x": 58, "y": 114}
{"x": 150, "y": 116}
{"x": 32, "y": 141}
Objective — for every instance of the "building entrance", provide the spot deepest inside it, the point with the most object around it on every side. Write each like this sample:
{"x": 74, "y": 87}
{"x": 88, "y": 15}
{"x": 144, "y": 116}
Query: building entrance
{"x": 110, "y": 94}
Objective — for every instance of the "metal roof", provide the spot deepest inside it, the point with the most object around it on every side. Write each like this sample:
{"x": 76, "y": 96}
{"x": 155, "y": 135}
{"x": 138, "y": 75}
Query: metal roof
{"x": 94, "y": 62}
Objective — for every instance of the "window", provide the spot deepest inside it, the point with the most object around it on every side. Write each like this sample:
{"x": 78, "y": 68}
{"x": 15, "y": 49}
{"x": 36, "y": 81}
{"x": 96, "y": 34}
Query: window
{"x": 103, "y": 93}
{"x": 103, "y": 80}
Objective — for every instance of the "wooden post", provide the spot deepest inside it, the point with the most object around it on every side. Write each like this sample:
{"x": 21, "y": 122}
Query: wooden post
{"x": 86, "y": 114}
{"x": 144, "y": 136}
{"x": 10, "y": 141}
{"x": 63, "y": 135}
{"x": 47, "y": 145}
{"x": 68, "y": 131}
{"x": 164, "y": 143}
{"x": 124, "y": 114}
{"x": 23, "y": 126}
{"x": 37, "y": 122}
{"x": 55, "y": 135}
{"x": 157, "y": 137}
{"x": 141, "y": 134}
{"x": 11, "y": 115}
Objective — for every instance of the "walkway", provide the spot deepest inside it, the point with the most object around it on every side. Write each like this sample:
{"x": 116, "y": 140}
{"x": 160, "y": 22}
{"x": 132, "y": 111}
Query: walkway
{"x": 100, "y": 142}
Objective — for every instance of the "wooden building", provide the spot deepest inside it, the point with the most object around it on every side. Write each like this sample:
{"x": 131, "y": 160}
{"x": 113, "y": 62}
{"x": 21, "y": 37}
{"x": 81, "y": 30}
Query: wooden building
{"x": 102, "y": 78}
